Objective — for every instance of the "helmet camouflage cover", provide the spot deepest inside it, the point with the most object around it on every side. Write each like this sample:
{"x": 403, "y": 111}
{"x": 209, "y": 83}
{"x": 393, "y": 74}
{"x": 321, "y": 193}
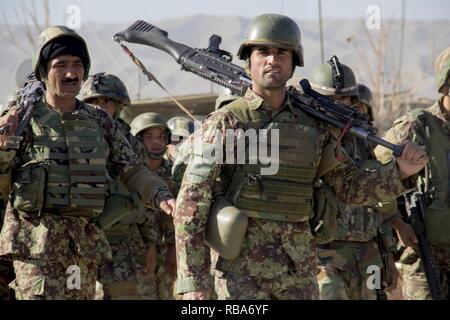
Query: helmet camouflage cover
{"x": 334, "y": 78}
{"x": 273, "y": 30}
{"x": 104, "y": 85}
{"x": 49, "y": 35}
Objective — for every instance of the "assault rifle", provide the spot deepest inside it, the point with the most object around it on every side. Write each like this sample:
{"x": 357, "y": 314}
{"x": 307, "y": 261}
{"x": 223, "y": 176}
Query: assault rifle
{"x": 32, "y": 92}
{"x": 415, "y": 209}
{"x": 216, "y": 65}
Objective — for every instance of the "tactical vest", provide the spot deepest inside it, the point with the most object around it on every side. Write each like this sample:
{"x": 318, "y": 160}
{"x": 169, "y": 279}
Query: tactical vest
{"x": 73, "y": 152}
{"x": 356, "y": 223}
{"x": 288, "y": 194}
{"x": 438, "y": 148}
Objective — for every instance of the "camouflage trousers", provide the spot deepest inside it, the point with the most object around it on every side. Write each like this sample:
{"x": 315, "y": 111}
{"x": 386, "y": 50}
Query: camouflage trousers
{"x": 278, "y": 261}
{"x": 64, "y": 277}
{"x": 165, "y": 283}
{"x": 6, "y": 276}
{"x": 415, "y": 286}
{"x": 343, "y": 270}
{"x": 124, "y": 278}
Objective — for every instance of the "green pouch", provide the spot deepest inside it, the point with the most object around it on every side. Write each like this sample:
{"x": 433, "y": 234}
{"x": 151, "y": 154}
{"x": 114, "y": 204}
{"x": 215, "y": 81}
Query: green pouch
{"x": 324, "y": 221}
{"x": 28, "y": 189}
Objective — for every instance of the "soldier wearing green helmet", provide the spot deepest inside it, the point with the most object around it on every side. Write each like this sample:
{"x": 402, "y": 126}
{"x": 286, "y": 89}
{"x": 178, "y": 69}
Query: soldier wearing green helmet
{"x": 365, "y": 101}
{"x": 181, "y": 128}
{"x": 107, "y": 91}
{"x": 152, "y": 129}
{"x": 126, "y": 276}
{"x": 343, "y": 262}
{"x": 269, "y": 251}
{"x": 430, "y": 129}
{"x": 57, "y": 179}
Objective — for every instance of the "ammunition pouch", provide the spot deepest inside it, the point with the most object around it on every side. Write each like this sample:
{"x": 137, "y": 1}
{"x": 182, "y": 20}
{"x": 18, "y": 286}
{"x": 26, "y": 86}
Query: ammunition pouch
{"x": 118, "y": 207}
{"x": 226, "y": 228}
{"x": 324, "y": 221}
{"x": 28, "y": 190}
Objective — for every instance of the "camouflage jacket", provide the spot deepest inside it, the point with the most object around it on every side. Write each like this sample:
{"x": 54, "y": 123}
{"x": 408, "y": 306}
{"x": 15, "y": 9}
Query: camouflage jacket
{"x": 158, "y": 227}
{"x": 34, "y": 236}
{"x": 416, "y": 126}
{"x": 409, "y": 127}
{"x": 355, "y": 186}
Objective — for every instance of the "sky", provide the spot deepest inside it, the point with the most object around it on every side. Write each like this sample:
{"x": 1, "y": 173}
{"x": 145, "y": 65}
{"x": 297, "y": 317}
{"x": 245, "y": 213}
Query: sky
{"x": 119, "y": 11}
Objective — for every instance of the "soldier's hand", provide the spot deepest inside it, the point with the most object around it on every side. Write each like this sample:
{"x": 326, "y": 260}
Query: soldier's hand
{"x": 170, "y": 261}
{"x": 196, "y": 295}
{"x": 168, "y": 206}
{"x": 405, "y": 233}
{"x": 10, "y": 121}
{"x": 150, "y": 260}
{"x": 412, "y": 160}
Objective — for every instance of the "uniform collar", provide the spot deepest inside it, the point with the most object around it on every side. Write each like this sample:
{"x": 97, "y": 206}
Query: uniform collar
{"x": 255, "y": 102}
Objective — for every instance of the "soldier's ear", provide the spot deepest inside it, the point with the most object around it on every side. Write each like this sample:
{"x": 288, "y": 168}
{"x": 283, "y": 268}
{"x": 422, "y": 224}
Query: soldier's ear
{"x": 247, "y": 67}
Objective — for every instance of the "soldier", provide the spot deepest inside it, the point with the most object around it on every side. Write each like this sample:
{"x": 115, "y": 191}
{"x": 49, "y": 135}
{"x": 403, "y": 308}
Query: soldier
{"x": 127, "y": 275}
{"x": 345, "y": 264}
{"x": 58, "y": 178}
{"x": 278, "y": 258}
{"x": 181, "y": 128}
{"x": 152, "y": 129}
{"x": 429, "y": 128}
{"x": 23, "y": 70}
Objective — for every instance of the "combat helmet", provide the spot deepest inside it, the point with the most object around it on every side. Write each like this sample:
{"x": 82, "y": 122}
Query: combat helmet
{"x": 334, "y": 78}
{"x": 224, "y": 98}
{"x": 181, "y": 126}
{"x": 273, "y": 30}
{"x": 104, "y": 85}
{"x": 149, "y": 120}
{"x": 49, "y": 35}
{"x": 365, "y": 97}
{"x": 442, "y": 71}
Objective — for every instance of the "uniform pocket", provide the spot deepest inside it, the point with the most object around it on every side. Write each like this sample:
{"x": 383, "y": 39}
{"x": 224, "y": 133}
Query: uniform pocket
{"x": 29, "y": 287}
{"x": 29, "y": 187}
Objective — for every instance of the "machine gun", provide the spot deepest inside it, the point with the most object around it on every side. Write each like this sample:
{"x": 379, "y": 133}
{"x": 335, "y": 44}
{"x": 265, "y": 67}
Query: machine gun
{"x": 415, "y": 210}
{"x": 215, "y": 64}
{"x": 32, "y": 92}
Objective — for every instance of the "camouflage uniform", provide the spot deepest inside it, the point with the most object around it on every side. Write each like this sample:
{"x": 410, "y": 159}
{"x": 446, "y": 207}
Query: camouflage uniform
{"x": 431, "y": 129}
{"x": 58, "y": 193}
{"x": 123, "y": 277}
{"x": 412, "y": 127}
{"x": 162, "y": 283}
{"x": 6, "y": 267}
{"x": 343, "y": 263}
{"x": 278, "y": 258}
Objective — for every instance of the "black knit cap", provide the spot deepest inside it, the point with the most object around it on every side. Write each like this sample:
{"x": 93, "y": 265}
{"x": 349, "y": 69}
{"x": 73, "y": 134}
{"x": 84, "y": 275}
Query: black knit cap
{"x": 62, "y": 46}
